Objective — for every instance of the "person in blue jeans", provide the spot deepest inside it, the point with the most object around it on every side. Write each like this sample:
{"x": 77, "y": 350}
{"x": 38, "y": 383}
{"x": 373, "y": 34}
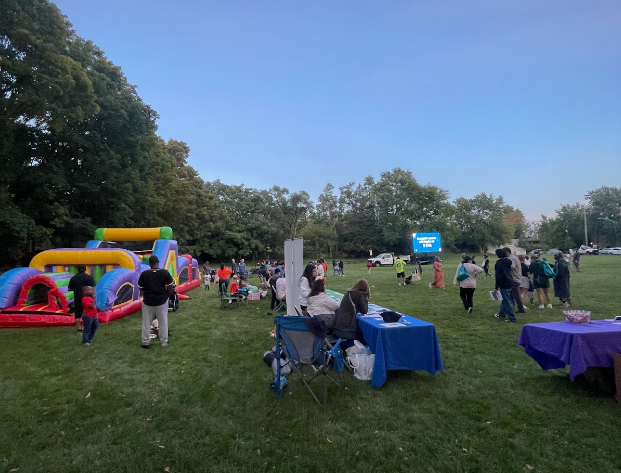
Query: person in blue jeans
{"x": 504, "y": 285}
{"x": 89, "y": 315}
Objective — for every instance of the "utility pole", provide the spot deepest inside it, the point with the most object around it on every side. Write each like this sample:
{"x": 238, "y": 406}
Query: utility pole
{"x": 586, "y": 236}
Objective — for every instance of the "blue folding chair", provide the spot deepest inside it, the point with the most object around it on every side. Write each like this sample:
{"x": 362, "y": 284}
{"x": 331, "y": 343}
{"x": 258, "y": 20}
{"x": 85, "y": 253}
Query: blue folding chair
{"x": 310, "y": 356}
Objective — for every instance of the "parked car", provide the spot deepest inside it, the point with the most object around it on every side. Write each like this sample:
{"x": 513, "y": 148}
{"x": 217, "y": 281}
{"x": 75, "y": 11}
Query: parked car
{"x": 423, "y": 260}
{"x": 387, "y": 259}
{"x": 587, "y": 250}
{"x": 610, "y": 251}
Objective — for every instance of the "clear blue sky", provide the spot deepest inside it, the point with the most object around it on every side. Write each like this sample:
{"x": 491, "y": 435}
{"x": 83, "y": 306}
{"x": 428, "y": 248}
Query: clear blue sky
{"x": 516, "y": 98}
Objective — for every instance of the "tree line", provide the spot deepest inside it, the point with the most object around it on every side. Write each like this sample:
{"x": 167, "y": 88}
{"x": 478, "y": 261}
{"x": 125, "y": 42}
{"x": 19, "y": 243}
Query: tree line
{"x": 599, "y": 217}
{"x": 80, "y": 150}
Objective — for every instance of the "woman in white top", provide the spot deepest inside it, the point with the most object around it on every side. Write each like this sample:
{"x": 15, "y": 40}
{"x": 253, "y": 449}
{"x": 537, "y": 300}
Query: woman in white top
{"x": 321, "y": 305}
{"x": 468, "y": 285}
{"x": 305, "y": 284}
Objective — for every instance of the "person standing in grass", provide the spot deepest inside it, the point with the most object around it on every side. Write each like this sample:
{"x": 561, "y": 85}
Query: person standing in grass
{"x": 341, "y": 267}
{"x": 486, "y": 266}
{"x": 369, "y": 266}
{"x": 516, "y": 274}
{"x": 561, "y": 279}
{"x": 324, "y": 265}
{"x": 399, "y": 265}
{"x": 541, "y": 282}
{"x": 76, "y": 284}
{"x": 242, "y": 269}
{"x": 156, "y": 285}
{"x": 524, "y": 282}
{"x": 89, "y": 314}
{"x": 577, "y": 259}
{"x": 438, "y": 274}
{"x": 504, "y": 285}
{"x": 223, "y": 279}
{"x": 468, "y": 285}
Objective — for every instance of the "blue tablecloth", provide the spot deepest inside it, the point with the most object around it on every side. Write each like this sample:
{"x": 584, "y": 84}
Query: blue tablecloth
{"x": 557, "y": 344}
{"x": 406, "y": 347}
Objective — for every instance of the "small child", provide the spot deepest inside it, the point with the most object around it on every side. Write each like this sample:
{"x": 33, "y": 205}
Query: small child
{"x": 155, "y": 329}
{"x": 89, "y": 315}
{"x": 234, "y": 287}
{"x": 369, "y": 265}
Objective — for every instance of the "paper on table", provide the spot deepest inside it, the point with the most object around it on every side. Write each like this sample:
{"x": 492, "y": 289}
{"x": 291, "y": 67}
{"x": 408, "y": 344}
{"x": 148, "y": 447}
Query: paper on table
{"x": 391, "y": 324}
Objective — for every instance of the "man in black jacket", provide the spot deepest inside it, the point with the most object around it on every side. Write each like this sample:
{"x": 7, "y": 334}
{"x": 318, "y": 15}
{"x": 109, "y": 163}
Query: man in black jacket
{"x": 504, "y": 284}
{"x": 76, "y": 283}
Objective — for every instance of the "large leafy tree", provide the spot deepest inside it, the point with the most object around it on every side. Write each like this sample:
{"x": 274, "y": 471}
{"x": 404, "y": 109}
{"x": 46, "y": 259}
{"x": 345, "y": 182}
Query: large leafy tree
{"x": 43, "y": 89}
{"x": 604, "y": 215}
{"x": 359, "y": 232}
{"x": 78, "y": 145}
{"x": 326, "y": 218}
{"x": 565, "y": 230}
{"x": 481, "y": 221}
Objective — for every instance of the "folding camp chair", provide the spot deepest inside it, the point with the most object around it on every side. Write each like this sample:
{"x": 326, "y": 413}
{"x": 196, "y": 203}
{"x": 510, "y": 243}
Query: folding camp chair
{"x": 303, "y": 339}
{"x": 281, "y": 305}
{"x": 229, "y": 300}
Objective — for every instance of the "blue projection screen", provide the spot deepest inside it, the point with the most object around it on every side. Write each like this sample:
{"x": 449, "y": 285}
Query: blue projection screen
{"x": 426, "y": 242}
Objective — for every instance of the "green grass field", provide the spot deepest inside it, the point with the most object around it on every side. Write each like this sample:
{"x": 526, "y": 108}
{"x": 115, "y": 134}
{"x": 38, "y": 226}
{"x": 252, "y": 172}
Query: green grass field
{"x": 204, "y": 403}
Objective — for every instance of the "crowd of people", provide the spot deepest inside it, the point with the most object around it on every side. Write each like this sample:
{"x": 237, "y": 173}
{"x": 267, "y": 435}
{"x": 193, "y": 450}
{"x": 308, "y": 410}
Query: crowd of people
{"x": 517, "y": 279}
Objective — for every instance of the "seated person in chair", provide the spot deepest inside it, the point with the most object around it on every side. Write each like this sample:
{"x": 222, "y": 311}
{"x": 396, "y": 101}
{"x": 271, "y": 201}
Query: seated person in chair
{"x": 355, "y": 301}
{"x": 321, "y": 305}
{"x": 272, "y": 282}
{"x": 281, "y": 288}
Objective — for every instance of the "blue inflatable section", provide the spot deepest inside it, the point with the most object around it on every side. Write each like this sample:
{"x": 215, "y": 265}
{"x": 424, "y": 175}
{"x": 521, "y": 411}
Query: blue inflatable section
{"x": 11, "y": 283}
{"x": 114, "y": 282}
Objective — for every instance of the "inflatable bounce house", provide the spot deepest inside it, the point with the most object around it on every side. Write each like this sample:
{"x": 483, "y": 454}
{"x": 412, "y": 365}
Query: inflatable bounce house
{"x": 38, "y": 296}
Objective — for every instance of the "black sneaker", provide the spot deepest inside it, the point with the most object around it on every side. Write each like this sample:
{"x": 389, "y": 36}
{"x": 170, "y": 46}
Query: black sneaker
{"x": 470, "y": 310}
{"x": 144, "y": 346}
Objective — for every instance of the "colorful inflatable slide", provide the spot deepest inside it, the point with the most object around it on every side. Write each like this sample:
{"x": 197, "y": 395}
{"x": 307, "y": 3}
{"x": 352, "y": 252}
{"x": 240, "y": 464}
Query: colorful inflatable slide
{"x": 38, "y": 296}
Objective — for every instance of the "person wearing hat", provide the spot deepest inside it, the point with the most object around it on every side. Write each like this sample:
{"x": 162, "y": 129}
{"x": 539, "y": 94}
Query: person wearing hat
{"x": 156, "y": 285}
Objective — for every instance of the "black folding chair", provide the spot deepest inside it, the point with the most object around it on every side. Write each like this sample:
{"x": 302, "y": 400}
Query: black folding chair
{"x": 303, "y": 339}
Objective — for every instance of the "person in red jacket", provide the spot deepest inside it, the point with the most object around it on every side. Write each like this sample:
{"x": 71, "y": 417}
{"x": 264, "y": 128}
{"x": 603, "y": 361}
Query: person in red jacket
{"x": 89, "y": 314}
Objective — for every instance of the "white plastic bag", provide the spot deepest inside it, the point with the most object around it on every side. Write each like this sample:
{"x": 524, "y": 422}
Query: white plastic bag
{"x": 362, "y": 364}
{"x": 356, "y": 348}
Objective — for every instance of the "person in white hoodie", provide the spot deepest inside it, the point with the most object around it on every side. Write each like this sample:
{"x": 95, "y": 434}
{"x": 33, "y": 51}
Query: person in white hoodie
{"x": 320, "y": 304}
{"x": 468, "y": 285}
{"x": 306, "y": 283}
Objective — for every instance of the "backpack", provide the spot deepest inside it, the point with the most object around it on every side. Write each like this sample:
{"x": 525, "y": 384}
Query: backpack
{"x": 547, "y": 269}
{"x": 463, "y": 274}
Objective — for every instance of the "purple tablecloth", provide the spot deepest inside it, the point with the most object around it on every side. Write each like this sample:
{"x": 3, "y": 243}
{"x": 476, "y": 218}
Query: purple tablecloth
{"x": 408, "y": 347}
{"x": 557, "y": 344}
